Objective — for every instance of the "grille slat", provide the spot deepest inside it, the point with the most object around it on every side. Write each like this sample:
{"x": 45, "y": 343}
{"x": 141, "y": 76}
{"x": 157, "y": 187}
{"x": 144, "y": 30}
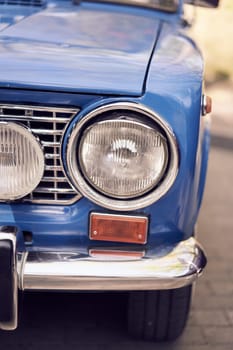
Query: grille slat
{"x": 47, "y": 132}
{"x": 50, "y": 144}
{"x": 53, "y": 179}
{"x": 52, "y": 156}
{"x": 53, "y": 167}
{"x": 48, "y": 125}
{"x": 54, "y": 190}
{"x": 35, "y": 118}
{"x": 32, "y": 110}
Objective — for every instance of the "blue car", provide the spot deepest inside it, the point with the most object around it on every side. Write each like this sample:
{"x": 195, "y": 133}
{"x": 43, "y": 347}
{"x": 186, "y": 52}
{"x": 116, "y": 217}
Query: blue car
{"x": 103, "y": 155}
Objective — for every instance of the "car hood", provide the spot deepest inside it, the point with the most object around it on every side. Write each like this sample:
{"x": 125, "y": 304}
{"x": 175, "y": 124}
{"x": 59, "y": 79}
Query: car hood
{"x": 94, "y": 49}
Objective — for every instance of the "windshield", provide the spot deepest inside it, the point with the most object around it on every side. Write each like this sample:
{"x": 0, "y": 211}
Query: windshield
{"x": 163, "y": 5}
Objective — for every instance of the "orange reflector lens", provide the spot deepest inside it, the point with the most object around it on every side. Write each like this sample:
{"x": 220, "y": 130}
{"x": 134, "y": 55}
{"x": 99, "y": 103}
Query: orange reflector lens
{"x": 116, "y": 254}
{"x": 208, "y": 104}
{"x": 118, "y": 228}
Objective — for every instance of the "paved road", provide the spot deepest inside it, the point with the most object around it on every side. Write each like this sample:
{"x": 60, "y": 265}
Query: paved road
{"x": 97, "y": 322}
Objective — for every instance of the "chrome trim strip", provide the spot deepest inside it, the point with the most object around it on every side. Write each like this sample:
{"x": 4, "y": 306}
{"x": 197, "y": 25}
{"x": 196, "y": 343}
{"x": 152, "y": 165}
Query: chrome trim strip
{"x": 35, "y": 119}
{"x": 82, "y": 185}
{"x": 9, "y": 233}
{"x": 40, "y": 108}
{"x": 54, "y": 190}
{"x": 53, "y": 168}
{"x": 52, "y": 179}
{"x": 60, "y": 201}
{"x": 47, "y": 132}
{"x": 181, "y": 266}
{"x": 52, "y": 156}
{"x": 50, "y": 144}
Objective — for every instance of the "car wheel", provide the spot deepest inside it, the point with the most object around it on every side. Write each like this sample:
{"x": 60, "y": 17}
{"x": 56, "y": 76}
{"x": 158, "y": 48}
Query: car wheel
{"x": 158, "y": 315}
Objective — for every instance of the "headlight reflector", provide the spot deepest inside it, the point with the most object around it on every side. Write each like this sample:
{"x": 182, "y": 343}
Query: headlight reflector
{"x": 123, "y": 158}
{"x": 21, "y": 161}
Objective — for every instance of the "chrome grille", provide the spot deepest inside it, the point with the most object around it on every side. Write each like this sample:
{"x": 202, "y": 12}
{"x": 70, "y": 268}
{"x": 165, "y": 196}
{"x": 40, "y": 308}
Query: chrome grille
{"x": 48, "y": 124}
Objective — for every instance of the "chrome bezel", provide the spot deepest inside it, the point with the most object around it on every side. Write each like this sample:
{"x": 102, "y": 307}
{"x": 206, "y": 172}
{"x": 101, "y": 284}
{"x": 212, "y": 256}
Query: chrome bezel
{"x": 83, "y": 186}
{"x": 32, "y": 139}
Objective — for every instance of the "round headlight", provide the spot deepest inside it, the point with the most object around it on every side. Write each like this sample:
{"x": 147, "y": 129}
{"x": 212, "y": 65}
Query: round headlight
{"x": 122, "y": 156}
{"x": 21, "y": 161}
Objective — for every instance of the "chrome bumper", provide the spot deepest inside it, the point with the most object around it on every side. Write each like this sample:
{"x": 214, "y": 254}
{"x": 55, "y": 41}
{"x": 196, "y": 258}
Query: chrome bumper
{"x": 179, "y": 266}
{"x": 71, "y": 271}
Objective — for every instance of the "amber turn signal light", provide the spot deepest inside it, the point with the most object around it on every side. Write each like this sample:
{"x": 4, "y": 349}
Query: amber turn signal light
{"x": 206, "y": 105}
{"x": 118, "y": 228}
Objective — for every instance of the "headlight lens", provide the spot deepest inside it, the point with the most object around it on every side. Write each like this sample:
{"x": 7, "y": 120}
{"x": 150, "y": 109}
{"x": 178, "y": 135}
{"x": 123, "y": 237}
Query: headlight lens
{"x": 21, "y": 161}
{"x": 122, "y": 158}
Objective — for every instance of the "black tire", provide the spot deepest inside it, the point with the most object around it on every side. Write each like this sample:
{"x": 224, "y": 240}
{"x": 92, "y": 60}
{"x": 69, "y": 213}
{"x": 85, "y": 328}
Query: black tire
{"x": 158, "y": 315}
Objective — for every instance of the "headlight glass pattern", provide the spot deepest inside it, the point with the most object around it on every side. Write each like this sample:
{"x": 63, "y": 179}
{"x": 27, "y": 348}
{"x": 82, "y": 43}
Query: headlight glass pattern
{"x": 21, "y": 161}
{"x": 122, "y": 158}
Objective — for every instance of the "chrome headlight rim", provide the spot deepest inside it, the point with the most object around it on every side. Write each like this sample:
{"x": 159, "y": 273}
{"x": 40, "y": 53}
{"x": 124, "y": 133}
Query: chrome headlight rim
{"x": 124, "y": 204}
{"x": 27, "y": 132}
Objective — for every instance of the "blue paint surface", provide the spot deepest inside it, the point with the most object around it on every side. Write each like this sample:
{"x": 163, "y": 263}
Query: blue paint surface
{"x": 100, "y": 50}
{"x": 94, "y": 54}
